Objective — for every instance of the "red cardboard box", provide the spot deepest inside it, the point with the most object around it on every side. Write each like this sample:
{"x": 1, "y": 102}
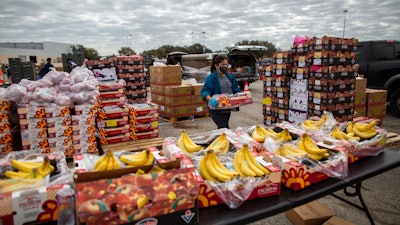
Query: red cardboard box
{"x": 152, "y": 198}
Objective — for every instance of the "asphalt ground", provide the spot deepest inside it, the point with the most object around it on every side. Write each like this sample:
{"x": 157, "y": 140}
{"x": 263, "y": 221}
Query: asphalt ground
{"x": 381, "y": 193}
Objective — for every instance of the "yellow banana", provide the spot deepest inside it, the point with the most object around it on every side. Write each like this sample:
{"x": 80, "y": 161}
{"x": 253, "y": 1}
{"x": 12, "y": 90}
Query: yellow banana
{"x": 102, "y": 165}
{"x": 33, "y": 174}
{"x": 24, "y": 166}
{"x": 45, "y": 168}
{"x": 258, "y": 169}
{"x": 314, "y": 124}
{"x": 315, "y": 157}
{"x": 365, "y": 134}
{"x": 136, "y": 159}
{"x": 293, "y": 151}
{"x": 220, "y": 166}
{"x": 203, "y": 169}
{"x": 365, "y": 126}
{"x": 150, "y": 159}
{"x": 241, "y": 165}
{"x": 349, "y": 128}
{"x": 221, "y": 145}
{"x": 110, "y": 161}
{"x": 308, "y": 144}
{"x": 215, "y": 171}
{"x": 259, "y": 134}
{"x": 284, "y": 135}
{"x": 186, "y": 144}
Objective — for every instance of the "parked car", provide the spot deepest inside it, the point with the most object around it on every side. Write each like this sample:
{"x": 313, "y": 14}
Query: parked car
{"x": 379, "y": 62}
{"x": 243, "y": 64}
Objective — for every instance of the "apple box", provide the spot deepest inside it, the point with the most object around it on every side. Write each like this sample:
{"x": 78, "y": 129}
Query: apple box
{"x": 129, "y": 196}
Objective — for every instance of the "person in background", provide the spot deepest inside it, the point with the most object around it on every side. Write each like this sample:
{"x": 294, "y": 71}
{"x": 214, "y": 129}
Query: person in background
{"x": 171, "y": 60}
{"x": 219, "y": 81}
{"x": 45, "y": 69}
{"x": 70, "y": 65}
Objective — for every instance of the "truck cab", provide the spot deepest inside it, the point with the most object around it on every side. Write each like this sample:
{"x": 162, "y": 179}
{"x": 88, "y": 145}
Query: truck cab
{"x": 379, "y": 62}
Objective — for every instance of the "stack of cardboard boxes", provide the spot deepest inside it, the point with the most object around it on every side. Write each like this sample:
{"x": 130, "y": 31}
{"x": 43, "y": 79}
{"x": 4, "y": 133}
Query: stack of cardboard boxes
{"x": 174, "y": 99}
{"x": 276, "y": 88}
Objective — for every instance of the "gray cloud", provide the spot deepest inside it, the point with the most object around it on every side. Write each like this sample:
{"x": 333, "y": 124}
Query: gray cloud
{"x": 109, "y": 25}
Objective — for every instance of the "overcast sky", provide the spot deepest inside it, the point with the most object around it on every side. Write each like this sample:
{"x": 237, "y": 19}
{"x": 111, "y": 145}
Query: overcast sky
{"x": 147, "y": 24}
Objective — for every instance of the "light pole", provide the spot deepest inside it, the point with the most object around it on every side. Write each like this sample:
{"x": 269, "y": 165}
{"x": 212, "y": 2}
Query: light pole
{"x": 204, "y": 46}
{"x": 344, "y": 21}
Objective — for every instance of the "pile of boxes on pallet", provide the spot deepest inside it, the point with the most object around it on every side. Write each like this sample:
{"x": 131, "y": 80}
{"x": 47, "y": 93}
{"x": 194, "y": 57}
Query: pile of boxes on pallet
{"x": 131, "y": 69}
{"x": 174, "y": 99}
{"x": 54, "y": 127}
{"x": 276, "y": 88}
{"x": 21, "y": 70}
{"x": 322, "y": 78}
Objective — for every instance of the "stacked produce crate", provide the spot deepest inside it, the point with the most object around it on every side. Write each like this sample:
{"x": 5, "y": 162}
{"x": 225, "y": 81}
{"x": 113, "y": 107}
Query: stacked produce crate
{"x": 5, "y": 128}
{"x": 143, "y": 121}
{"x": 327, "y": 66}
{"x": 60, "y": 130}
{"x": 132, "y": 70}
{"x": 276, "y": 88}
{"x": 84, "y": 128}
{"x": 113, "y": 122}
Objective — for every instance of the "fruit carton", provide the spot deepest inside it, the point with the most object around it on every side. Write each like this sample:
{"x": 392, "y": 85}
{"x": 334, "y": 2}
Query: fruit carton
{"x": 233, "y": 101}
{"x": 208, "y": 196}
{"x": 33, "y": 205}
{"x": 299, "y": 175}
{"x": 122, "y": 197}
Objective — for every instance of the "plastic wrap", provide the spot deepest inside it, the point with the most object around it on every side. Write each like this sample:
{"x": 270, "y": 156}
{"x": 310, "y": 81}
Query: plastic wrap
{"x": 15, "y": 92}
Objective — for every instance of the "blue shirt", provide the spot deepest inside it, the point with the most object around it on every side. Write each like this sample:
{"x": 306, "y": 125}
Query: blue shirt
{"x": 212, "y": 86}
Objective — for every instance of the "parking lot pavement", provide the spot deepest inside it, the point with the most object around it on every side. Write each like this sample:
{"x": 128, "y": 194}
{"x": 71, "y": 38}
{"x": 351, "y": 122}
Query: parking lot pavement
{"x": 380, "y": 193}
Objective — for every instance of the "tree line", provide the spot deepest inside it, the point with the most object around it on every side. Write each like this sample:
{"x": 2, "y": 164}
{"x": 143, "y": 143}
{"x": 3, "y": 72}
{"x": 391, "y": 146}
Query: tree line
{"x": 162, "y": 51}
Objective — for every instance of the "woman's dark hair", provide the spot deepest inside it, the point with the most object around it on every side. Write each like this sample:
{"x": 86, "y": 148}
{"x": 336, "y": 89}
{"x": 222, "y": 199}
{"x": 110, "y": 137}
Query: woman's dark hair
{"x": 217, "y": 59}
{"x": 171, "y": 60}
{"x": 48, "y": 59}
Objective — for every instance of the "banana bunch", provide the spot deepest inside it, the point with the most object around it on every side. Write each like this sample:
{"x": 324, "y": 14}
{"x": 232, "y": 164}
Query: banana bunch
{"x": 246, "y": 165}
{"x": 283, "y": 136}
{"x": 186, "y": 144}
{"x": 213, "y": 170}
{"x": 314, "y": 124}
{"x": 362, "y": 130}
{"x": 341, "y": 135}
{"x": 314, "y": 152}
{"x": 142, "y": 158}
{"x": 220, "y": 145}
{"x": 289, "y": 151}
{"x": 107, "y": 162}
{"x": 30, "y": 170}
{"x": 259, "y": 134}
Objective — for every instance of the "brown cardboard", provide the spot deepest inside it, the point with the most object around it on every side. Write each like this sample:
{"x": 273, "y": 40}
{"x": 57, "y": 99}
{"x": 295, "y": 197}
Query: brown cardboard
{"x": 361, "y": 111}
{"x": 177, "y": 90}
{"x": 361, "y": 85}
{"x": 375, "y": 96}
{"x": 196, "y": 89}
{"x": 334, "y": 220}
{"x": 376, "y": 110}
{"x": 313, "y": 213}
{"x": 177, "y": 100}
{"x": 166, "y": 75}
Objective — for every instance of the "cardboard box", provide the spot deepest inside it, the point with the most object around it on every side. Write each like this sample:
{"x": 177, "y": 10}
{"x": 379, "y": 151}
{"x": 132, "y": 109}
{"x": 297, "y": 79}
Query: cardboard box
{"x": 177, "y": 100}
{"x": 313, "y": 213}
{"x": 143, "y": 199}
{"x": 177, "y": 90}
{"x": 361, "y": 85}
{"x": 335, "y": 220}
{"x": 34, "y": 205}
{"x": 196, "y": 89}
{"x": 375, "y": 96}
{"x": 166, "y": 75}
{"x": 376, "y": 110}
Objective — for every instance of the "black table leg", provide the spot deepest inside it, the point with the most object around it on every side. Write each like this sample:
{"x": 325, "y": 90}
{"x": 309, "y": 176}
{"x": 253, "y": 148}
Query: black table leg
{"x": 356, "y": 192}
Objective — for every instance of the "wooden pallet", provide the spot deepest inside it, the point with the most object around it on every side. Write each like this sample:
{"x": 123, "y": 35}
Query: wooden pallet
{"x": 134, "y": 145}
{"x": 393, "y": 140}
{"x": 174, "y": 119}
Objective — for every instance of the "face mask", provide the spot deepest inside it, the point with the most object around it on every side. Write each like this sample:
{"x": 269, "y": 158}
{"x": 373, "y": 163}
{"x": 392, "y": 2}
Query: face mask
{"x": 223, "y": 69}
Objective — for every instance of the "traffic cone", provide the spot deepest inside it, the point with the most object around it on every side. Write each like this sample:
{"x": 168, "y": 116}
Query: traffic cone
{"x": 246, "y": 86}
{"x": 262, "y": 78}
